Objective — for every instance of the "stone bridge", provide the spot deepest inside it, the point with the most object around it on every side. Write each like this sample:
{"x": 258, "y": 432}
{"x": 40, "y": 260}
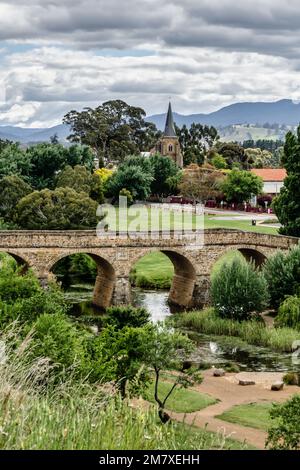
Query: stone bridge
{"x": 115, "y": 257}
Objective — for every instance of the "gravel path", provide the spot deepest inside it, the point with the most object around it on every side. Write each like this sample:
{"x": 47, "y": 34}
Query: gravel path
{"x": 227, "y": 390}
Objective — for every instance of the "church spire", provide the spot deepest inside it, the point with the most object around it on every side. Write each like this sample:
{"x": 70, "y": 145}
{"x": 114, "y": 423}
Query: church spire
{"x": 169, "y": 127}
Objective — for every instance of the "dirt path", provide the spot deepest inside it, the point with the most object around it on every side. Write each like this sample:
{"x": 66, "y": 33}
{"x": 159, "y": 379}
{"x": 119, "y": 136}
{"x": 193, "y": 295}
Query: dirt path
{"x": 227, "y": 390}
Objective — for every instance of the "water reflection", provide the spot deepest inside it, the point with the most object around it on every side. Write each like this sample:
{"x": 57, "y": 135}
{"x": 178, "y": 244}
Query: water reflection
{"x": 213, "y": 350}
{"x": 220, "y": 350}
{"x": 156, "y": 302}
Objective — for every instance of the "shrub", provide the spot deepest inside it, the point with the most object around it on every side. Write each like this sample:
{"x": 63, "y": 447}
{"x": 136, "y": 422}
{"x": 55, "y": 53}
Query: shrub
{"x": 28, "y": 309}
{"x": 289, "y": 313}
{"x": 57, "y": 338}
{"x": 127, "y": 316}
{"x": 238, "y": 290}
{"x": 282, "y": 272}
{"x": 14, "y": 287}
{"x": 291, "y": 378}
{"x": 285, "y": 433}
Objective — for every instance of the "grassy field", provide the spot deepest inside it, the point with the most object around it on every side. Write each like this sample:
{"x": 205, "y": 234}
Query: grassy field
{"x": 163, "y": 219}
{"x": 254, "y": 415}
{"x": 182, "y": 400}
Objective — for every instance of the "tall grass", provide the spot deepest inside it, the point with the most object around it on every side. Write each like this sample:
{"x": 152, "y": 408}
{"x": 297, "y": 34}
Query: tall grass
{"x": 36, "y": 413}
{"x": 253, "y": 332}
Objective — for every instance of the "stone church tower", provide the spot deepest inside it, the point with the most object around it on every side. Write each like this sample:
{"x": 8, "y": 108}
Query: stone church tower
{"x": 169, "y": 144}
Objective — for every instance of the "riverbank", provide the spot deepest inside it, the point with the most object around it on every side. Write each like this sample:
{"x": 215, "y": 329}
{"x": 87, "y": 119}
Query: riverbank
{"x": 253, "y": 332}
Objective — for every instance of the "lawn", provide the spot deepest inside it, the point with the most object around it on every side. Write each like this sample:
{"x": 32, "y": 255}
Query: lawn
{"x": 253, "y": 415}
{"x": 206, "y": 440}
{"x": 182, "y": 400}
{"x": 164, "y": 219}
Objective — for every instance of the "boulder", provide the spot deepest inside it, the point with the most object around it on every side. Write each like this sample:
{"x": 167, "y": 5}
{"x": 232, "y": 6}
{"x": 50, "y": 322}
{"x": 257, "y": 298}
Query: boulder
{"x": 246, "y": 382}
{"x": 218, "y": 372}
{"x": 276, "y": 386}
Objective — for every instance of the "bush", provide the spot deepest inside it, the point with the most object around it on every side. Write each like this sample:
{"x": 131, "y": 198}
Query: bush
{"x": 289, "y": 313}
{"x": 30, "y": 308}
{"x": 14, "y": 287}
{"x": 238, "y": 290}
{"x": 285, "y": 433}
{"x": 127, "y": 316}
{"x": 291, "y": 378}
{"x": 282, "y": 272}
{"x": 57, "y": 338}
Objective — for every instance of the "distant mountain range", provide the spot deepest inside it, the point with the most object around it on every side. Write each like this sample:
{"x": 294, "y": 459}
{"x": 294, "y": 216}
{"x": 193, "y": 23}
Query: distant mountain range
{"x": 27, "y": 136}
{"x": 280, "y": 112}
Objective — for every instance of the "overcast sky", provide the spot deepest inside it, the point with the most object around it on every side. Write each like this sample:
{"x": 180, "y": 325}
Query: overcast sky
{"x": 204, "y": 54}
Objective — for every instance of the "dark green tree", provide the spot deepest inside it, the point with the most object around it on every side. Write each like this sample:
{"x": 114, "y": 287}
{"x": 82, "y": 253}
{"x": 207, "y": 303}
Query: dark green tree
{"x": 165, "y": 172}
{"x": 287, "y": 204}
{"x": 196, "y": 141}
{"x": 12, "y": 189}
{"x": 63, "y": 209}
{"x": 113, "y": 130}
{"x": 46, "y": 160}
{"x": 234, "y": 155}
{"x": 132, "y": 178}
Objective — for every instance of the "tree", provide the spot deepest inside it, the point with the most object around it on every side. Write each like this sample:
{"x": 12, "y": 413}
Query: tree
{"x": 200, "y": 183}
{"x": 132, "y": 178}
{"x": 80, "y": 179}
{"x": 239, "y": 186}
{"x": 282, "y": 272}
{"x": 117, "y": 355}
{"x": 165, "y": 172}
{"x": 234, "y": 155}
{"x": 14, "y": 161}
{"x": 167, "y": 350}
{"x": 61, "y": 209}
{"x": 237, "y": 290}
{"x": 12, "y": 189}
{"x": 287, "y": 204}
{"x": 196, "y": 141}
{"x": 46, "y": 160}
{"x": 113, "y": 130}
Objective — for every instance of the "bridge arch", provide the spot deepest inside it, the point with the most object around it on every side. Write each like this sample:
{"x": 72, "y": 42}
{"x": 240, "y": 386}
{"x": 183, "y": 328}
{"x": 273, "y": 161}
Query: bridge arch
{"x": 105, "y": 276}
{"x": 184, "y": 278}
{"x": 252, "y": 254}
{"x": 21, "y": 261}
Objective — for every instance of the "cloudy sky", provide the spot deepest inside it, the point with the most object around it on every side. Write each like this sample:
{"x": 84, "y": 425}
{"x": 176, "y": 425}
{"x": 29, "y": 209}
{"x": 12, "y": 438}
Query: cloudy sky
{"x": 204, "y": 54}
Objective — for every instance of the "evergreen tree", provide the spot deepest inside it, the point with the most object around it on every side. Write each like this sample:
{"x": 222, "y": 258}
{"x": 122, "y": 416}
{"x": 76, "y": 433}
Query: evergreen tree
{"x": 287, "y": 204}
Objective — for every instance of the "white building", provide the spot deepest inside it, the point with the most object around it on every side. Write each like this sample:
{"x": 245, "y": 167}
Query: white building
{"x": 272, "y": 177}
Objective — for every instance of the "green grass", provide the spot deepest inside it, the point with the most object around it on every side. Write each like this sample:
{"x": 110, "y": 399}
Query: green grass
{"x": 238, "y": 225}
{"x": 176, "y": 222}
{"x": 35, "y": 413}
{"x": 154, "y": 270}
{"x": 208, "y": 440}
{"x": 252, "y": 332}
{"x": 253, "y": 415}
{"x": 182, "y": 400}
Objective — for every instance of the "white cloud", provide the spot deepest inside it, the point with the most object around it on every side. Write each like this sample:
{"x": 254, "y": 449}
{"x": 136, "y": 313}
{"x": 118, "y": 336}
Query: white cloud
{"x": 203, "y": 53}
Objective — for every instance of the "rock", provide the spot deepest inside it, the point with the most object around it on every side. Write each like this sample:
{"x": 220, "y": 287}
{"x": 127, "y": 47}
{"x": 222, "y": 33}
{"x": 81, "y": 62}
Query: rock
{"x": 246, "y": 382}
{"x": 218, "y": 372}
{"x": 276, "y": 386}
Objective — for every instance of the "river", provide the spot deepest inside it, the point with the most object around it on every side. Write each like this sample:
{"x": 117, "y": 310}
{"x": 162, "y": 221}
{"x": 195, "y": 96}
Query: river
{"x": 212, "y": 350}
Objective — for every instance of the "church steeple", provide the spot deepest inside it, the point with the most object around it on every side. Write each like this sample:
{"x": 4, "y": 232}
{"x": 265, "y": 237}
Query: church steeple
{"x": 169, "y": 127}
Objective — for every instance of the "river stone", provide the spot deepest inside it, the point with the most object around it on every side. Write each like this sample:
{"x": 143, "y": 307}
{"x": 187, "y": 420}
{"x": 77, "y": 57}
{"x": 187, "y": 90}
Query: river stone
{"x": 246, "y": 382}
{"x": 218, "y": 372}
{"x": 276, "y": 386}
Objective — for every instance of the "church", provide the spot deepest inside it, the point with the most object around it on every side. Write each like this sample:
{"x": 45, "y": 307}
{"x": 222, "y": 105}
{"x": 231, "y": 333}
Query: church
{"x": 168, "y": 145}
